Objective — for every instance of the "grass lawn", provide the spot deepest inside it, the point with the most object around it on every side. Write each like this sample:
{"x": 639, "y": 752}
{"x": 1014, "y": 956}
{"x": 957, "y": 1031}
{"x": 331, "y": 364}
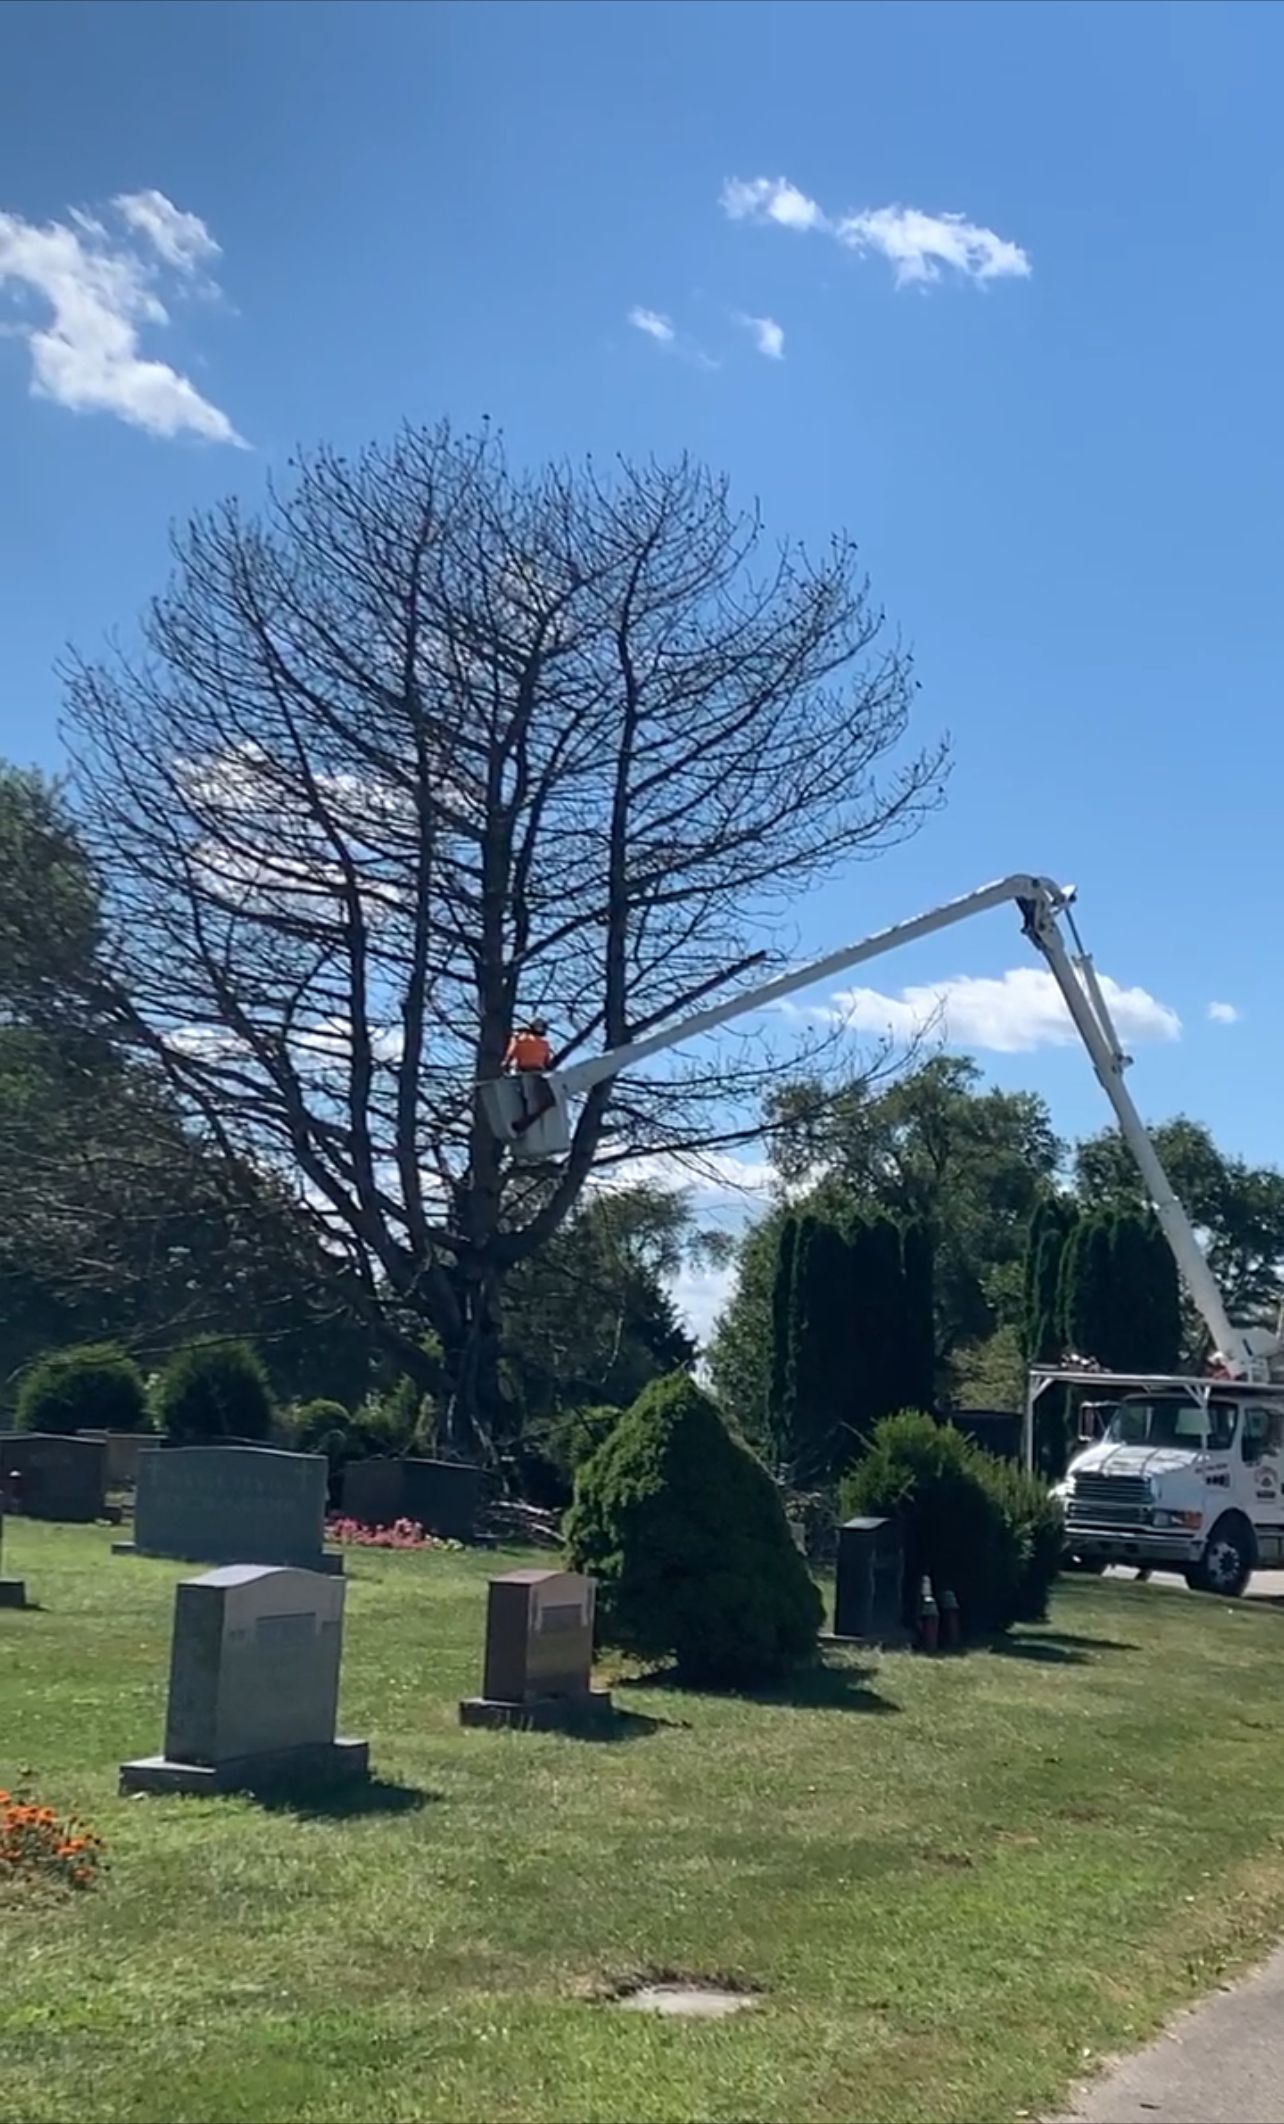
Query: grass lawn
{"x": 956, "y": 1882}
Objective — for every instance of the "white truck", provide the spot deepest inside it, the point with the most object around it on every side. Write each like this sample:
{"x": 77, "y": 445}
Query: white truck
{"x": 1190, "y": 1473}
{"x": 1189, "y": 1477}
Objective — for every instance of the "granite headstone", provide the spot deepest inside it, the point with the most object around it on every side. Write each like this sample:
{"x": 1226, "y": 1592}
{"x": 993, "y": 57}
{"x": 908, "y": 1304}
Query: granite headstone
{"x": 232, "y": 1505}
{"x": 48, "y": 1475}
{"x": 442, "y": 1496}
{"x": 123, "y": 1450}
{"x": 253, "y": 1686}
{"x": 868, "y": 1588}
{"x": 13, "y": 1591}
{"x": 539, "y": 1653}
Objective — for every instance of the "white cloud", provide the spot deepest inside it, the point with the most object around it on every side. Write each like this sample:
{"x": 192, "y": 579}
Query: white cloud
{"x": 1014, "y": 1014}
{"x": 770, "y": 199}
{"x": 700, "y": 1295}
{"x": 1223, "y": 1013}
{"x": 654, "y": 324}
{"x": 182, "y": 240}
{"x": 768, "y": 336}
{"x": 100, "y": 290}
{"x": 919, "y": 244}
{"x": 916, "y": 244}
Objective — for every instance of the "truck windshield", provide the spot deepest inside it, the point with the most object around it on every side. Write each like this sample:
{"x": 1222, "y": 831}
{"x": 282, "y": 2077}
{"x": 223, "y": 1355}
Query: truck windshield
{"x": 1173, "y": 1420}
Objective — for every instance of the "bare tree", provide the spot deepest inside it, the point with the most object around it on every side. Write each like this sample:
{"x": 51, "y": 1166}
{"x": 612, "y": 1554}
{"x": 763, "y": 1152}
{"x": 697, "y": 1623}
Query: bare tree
{"x": 433, "y": 744}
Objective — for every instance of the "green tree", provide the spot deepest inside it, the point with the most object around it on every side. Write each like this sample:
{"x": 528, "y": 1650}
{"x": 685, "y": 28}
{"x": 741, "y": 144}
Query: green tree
{"x": 1086, "y": 1294}
{"x": 117, "y": 1222}
{"x": 214, "y": 1390}
{"x": 778, "y": 1245}
{"x": 49, "y": 909}
{"x": 590, "y": 1318}
{"x": 1146, "y": 1297}
{"x": 1048, "y": 1234}
{"x": 1237, "y": 1210}
{"x": 686, "y": 1535}
{"x": 936, "y": 1149}
{"x": 851, "y": 1326}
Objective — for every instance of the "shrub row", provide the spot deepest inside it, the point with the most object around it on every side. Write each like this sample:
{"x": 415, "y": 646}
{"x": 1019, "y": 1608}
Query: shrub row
{"x": 212, "y": 1390}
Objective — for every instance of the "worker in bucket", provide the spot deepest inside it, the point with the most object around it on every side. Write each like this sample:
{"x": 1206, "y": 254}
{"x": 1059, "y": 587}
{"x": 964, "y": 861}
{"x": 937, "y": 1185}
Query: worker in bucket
{"x": 528, "y": 1056}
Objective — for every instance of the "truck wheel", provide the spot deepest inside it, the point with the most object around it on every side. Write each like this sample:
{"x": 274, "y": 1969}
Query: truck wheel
{"x": 1227, "y": 1562}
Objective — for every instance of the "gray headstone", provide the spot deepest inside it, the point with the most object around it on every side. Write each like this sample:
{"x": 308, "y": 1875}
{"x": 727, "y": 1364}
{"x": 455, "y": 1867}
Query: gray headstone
{"x": 442, "y": 1496}
{"x": 253, "y": 1684}
{"x": 57, "y": 1477}
{"x": 233, "y": 1505}
{"x": 255, "y": 1663}
{"x": 868, "y": 1587}
{"x": 123, "y": 1450}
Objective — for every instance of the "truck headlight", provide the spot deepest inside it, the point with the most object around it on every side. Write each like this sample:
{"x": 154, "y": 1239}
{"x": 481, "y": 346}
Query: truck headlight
{"x": 1191, "y": 1522}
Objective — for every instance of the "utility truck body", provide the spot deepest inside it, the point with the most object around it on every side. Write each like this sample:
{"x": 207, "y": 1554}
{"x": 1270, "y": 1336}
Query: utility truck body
{"x": 1188, "y": 1476}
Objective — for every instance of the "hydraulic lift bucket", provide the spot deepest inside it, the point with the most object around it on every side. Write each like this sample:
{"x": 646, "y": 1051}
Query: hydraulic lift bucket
{"x": 506, "y": 1101}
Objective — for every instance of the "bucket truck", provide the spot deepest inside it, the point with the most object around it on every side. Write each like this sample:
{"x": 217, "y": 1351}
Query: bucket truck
{"x": 1190, "y": 1472}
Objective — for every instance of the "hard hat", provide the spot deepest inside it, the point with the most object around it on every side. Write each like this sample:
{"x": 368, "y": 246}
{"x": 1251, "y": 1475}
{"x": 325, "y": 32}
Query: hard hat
{"x": 539, "y": 1025}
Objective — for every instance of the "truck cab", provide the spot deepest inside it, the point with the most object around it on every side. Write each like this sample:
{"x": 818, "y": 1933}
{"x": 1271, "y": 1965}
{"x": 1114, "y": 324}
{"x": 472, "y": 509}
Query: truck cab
{"x": 1187, "y": 1477}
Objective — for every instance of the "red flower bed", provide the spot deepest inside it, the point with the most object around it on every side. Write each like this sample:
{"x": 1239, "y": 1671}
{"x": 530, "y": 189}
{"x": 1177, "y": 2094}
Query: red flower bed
{"x": 402, "y": 1534}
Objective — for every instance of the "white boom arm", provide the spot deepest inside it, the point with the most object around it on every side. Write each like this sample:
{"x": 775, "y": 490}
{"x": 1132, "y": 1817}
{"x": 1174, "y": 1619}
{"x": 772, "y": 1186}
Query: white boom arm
{"x": 1041, "y": 903}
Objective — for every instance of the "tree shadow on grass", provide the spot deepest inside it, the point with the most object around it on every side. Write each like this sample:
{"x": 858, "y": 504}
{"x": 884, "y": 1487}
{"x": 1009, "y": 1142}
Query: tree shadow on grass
{"x": 1037, "y": 1651}
{"x": 627, "y": 1726}
{"x": 823, "y": 1687}
{"x": 1058, "y": 1648}
{"x": 377, "y": 1795}
{"x": 1087, "y": 1644}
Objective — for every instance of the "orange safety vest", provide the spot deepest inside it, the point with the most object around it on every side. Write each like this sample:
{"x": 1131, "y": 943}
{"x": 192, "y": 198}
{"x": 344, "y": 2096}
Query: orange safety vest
{"x": 527, "y": 1050}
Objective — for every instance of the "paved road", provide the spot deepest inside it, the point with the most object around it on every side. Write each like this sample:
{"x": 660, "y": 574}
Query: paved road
{"x": 1265, "y": 1585}
{"x": 1221, "y": 2063}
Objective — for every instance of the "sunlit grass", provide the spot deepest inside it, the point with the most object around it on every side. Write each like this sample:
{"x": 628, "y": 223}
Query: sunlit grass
{"x": 954, "y": 1881}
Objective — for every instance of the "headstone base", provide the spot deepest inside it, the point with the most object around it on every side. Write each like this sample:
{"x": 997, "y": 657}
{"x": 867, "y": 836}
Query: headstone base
{"x": 332, "y": 1566}
{"x": 543, "y": 1714}
{"x": 895, "y": 1640}
{"x": 13, "y": 1592}
{"x": 322, "y": 1765}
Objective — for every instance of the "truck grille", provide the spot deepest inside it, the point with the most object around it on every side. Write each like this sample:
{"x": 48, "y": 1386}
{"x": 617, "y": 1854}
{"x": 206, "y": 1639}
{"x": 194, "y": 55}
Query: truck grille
{"x": 1109, "y": 1501}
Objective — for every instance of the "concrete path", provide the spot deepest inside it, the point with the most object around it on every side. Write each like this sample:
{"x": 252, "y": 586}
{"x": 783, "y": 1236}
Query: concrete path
{"x": 1264, "y": 1585}
{"x": 1221, "y": 2063}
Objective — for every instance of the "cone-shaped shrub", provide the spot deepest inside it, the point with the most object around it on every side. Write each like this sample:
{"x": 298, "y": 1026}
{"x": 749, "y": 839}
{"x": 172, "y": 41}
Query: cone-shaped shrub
{"x": 686, "y": 1536}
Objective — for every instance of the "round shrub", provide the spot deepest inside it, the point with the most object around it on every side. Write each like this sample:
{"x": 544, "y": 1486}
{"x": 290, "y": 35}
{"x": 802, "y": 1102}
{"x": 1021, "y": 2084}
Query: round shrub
{"x": 955, "y": 1530}
{"x": 95, "y": 1388}
{"x": 327, "y": 1427}
{"x": 319, "y": 1426}
{"x": 686, "y": 1536}
{"x": 214, "y": 1390}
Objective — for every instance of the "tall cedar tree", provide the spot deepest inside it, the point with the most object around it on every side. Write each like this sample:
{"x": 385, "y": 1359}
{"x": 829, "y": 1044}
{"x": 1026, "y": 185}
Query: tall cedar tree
{"x": 1049, "y": 1232}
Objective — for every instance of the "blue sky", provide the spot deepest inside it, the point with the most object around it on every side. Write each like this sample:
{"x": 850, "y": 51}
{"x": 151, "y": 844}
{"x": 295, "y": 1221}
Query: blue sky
{"x": 1061, "y": 456}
